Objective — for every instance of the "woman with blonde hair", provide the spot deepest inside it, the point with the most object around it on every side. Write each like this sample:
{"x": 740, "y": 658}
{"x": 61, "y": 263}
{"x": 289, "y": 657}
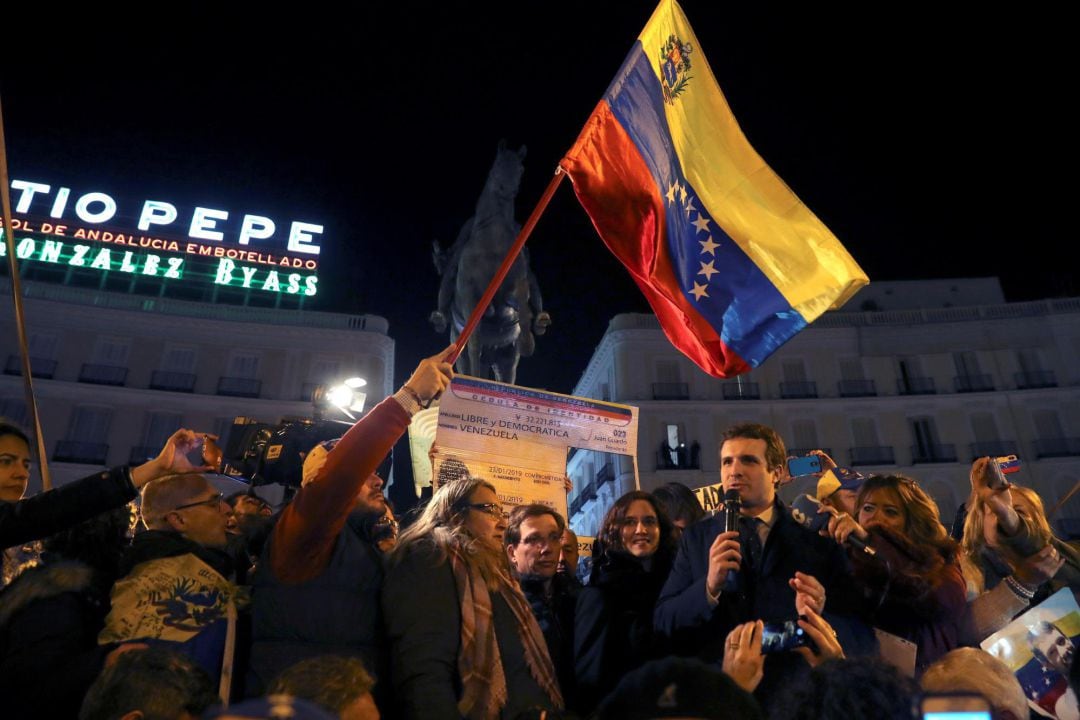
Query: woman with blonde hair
{"x": 1011, "y": 559}
{"x": 913, "y": 583}
{"x": 463, "y": 639}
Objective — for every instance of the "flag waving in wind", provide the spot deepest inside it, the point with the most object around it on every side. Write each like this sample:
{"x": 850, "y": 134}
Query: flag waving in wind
{"x": 731, "y": 261}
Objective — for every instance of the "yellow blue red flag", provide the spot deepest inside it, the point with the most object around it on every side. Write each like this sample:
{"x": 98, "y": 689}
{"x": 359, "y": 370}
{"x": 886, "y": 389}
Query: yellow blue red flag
{"x": 731, "y": 261}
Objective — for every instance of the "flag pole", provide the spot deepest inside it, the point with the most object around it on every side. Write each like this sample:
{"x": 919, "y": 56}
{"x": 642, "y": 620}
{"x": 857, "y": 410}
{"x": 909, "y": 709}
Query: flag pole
{"x": 20, "y": 324}
{"x": 508, "y": 261}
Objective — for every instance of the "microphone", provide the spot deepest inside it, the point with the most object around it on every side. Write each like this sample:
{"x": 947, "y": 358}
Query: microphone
{"x": 732, "y": 505}
{"x": 805, "y": 512}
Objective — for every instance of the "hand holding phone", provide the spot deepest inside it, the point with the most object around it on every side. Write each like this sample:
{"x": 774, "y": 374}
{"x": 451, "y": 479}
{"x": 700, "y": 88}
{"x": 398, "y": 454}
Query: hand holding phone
{"x": 782, "y": 636}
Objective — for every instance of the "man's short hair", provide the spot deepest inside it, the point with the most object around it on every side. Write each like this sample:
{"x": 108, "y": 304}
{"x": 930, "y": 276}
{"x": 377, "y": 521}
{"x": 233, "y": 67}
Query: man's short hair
{"x": 331, "y": 681}
{"x": 158, "y": 682}
{"x": 848, "y": 688}
{"x": 775, "y": 452}
{"x": 976, "y": 671}
{"x": 161, "y": 496}
{"x": 522, "y": 513}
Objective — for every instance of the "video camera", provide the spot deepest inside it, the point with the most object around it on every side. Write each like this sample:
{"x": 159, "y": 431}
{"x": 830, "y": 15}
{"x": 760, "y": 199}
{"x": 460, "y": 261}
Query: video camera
{"x": 266, "y": 454}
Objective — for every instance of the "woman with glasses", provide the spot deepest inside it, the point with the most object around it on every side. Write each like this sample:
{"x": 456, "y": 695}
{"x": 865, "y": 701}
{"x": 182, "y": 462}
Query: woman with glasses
{"x": 613, "y": 629}
{"x": 912, "y": 581}
{"x": 463, "y": 640}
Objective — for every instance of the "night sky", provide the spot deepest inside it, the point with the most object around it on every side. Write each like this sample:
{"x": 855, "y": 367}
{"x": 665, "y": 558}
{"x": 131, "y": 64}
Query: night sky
{"x": 933, "y": 145}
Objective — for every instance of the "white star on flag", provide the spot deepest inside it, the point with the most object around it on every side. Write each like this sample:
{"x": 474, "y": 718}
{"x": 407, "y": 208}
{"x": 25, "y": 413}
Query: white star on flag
{"x": 702, "y": 223}
{"x": 708, "y": 270}
{"x": 708, "y": 246}
{"x": 699, "y": 291}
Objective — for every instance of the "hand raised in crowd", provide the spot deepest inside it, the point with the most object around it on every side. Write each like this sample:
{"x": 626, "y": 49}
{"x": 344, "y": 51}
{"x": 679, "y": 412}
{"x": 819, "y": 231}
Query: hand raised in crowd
{"x": 743, "y": 661}
{"x": 809, "y": 593}
{"x": 173, "y": 458}
{"x": 568, "y": 484}
{"x": 1036, "y": 569}
{"x": 824, "y": 637}
{"x": 827, "y": 463}
{"x": 990, "y": 485}
{"x": 724, "y": 554}
{"x": 431, "y": 377}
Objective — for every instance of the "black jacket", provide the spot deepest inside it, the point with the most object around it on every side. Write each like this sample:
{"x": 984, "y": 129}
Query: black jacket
{"x": 613, "y": 627}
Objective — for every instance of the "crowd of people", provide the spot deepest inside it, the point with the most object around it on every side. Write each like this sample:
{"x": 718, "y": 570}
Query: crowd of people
{"x": 197, "y": 605}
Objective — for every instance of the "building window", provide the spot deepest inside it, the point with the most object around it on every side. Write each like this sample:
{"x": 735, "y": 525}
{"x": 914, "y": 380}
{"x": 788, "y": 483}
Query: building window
{"x": 675, "y": 453}
{"x": 159, "y": 427}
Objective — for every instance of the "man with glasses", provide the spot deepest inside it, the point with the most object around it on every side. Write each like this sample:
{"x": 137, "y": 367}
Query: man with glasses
{"x": 317, "y": 585}
{"x": 533, "y": 543}
{"x": 176, "y": 579}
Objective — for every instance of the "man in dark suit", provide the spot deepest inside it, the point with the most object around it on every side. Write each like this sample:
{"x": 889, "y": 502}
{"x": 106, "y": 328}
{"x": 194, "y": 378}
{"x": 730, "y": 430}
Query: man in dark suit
{"x": 782, "y": 567}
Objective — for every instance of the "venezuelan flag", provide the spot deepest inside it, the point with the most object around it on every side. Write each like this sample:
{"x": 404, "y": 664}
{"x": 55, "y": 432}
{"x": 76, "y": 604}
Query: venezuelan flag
{"x": 731, "y": 261}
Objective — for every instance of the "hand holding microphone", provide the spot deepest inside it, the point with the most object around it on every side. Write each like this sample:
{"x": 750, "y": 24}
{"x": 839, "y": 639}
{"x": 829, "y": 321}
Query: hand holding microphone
{"x": 825, "y": 520}
{"x": 725, "y": 555}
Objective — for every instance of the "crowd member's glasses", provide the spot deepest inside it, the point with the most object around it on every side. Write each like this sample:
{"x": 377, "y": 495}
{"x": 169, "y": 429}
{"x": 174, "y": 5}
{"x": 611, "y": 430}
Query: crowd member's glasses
{"x": 537, "y": 540}
{"x": 492, "y": 509}
{"x": 214, "y": 501}
{"x": 648, "y": 521}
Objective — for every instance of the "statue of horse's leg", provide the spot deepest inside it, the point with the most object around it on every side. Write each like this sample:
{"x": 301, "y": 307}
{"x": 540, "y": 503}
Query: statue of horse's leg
{"x": 506, "y": 362}
{"x": 477, "y": 368}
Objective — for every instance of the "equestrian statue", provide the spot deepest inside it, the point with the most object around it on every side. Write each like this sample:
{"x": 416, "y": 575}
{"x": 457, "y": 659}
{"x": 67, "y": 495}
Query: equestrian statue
{"x": 506, "y": 331}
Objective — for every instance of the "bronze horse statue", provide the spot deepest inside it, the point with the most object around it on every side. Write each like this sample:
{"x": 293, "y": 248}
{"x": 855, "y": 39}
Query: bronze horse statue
{"x": 507, "y": 328}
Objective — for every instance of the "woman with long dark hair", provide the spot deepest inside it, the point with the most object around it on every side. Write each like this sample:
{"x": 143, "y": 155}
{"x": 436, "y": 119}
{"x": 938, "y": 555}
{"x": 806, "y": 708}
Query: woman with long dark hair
{"x": 913, "y": 584}
{"x": 613, "y": 627}
{"x": 463, "y": 639}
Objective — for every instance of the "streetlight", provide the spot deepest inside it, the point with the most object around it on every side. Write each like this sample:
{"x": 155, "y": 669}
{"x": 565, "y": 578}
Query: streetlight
{"x": 345, "y": 396}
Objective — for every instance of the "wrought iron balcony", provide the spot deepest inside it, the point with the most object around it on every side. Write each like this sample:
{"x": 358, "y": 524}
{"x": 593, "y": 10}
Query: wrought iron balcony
{"x": 940, "y": 453}
{"x": 575, "y": 505}
{"x": 973, "y": 383}
{"x": 239, "y": 387}
{"x": 993, "y": 448}
{"x": 1057, "y": 447}
{"x": 43, "y": 368}
{"x": 172, "y": 381}
{"x": 605, "y": 475}
{"x": 588, "y": 492}
{"x": 799, "y": 452}
{"x": 798, "y": 390}
{"x": 856, "y": 388}
{"x": 873, "y": 455}
{"x": 1034, "y": 380}
{"x": 103, "y": 374}
{"x": 670, "y": 391}
{"x": 741, "y": 391}
{"x": 77, "y": 451}
{"x": 916, "y": 386}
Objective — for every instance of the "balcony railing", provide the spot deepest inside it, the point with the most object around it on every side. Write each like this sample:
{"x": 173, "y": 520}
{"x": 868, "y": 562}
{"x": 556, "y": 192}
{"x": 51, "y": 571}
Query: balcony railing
{"x": 605, "y": 475}
{"x": 142, "y": 453}
{"x": 670, "y": 391}
{"x": 799, "y": 452}
{"x": 873, "y": 455}
{"x": 741, "y": 391}
{"x": 575, "y": 505}
{"x": 77, "y": 451}
{"x": 307, "y": 390}
{"x": 588, "y": 492}
{"x": 940, "y": 453}
{"x": 239, "y": 387}
{"x": 915, "y": 386}
{"x": 103, "y": 374}
{"x": 856, "y": 388}
{"x": 43, "y": 368}
{"x": 973, "y": 383}
{"x": 173, "y": 381}
{"x": 993, "y": 448}
{"x": 1034, "y": 380}
{"x": 1057, "y": 447}
{"x": 798, "y": 390}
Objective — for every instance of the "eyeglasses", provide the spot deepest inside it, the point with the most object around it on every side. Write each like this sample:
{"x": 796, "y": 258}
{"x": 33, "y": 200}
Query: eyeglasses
{"x": 214, "y": 501}
{"x": 492, "y": 509}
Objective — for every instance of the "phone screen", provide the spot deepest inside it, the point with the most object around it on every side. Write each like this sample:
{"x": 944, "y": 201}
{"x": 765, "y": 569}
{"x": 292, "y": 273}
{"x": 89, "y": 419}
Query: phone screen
{"x": 955, "y": 707}
{"x": 805, "y": 465}
{"x": 782, "y": 636}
